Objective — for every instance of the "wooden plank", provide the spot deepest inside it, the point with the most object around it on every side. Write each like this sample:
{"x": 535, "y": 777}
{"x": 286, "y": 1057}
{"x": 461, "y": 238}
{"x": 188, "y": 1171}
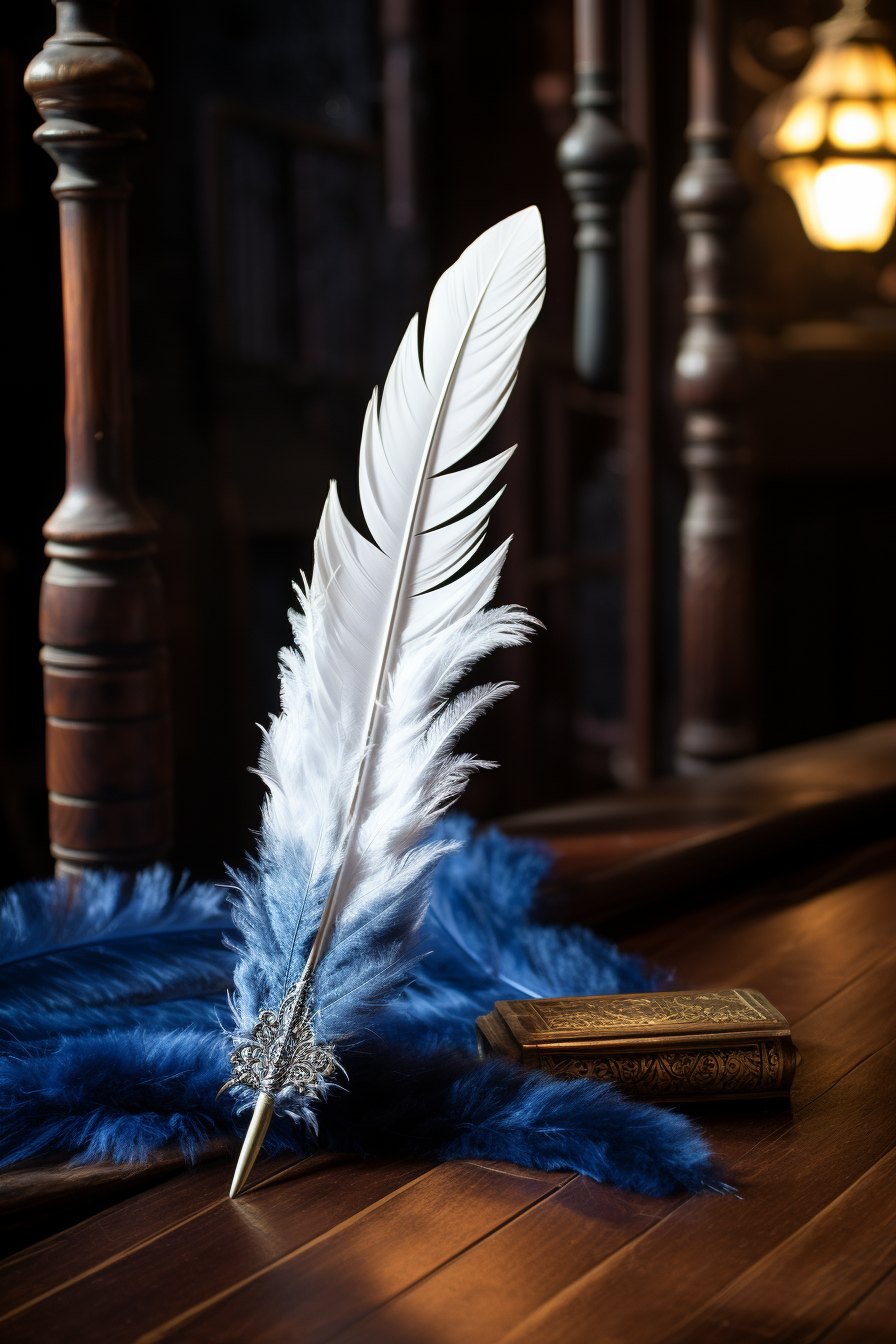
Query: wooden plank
{"x": 661, "y": 941}
{"x": 803, "y": 953}
{"x": 796, "y": 1291}
{"x": 80, "y": 1250}
{"x": 505, "y": 1277}
{"x": 196, "y": 1257}
{"x": 871, "y": 1322}
{"x": 727, "y": 820}
{"x": 798, "y": 954}
{"x": 845, "y": 1030}
{"x": 796, "y": 778}
{"x": 335, "y": 1280}
{"x": 579, "y": 1226}
{"x": 642, "y": 1291}
{"x": 578, "y": 856}
{"x": 42, "y": 1197}
{"x": 479, "y": 1296}
{"x": 692, "y": 863}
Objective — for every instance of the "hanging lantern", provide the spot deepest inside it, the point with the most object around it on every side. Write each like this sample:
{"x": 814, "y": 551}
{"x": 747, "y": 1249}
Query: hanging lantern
{"x": 832, "y": 135}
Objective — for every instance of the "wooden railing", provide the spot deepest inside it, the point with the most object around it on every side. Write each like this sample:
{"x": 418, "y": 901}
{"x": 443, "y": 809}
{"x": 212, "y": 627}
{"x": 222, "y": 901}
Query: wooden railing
{"x": 716, "y": 720}
{"x": 109, "y": 759}
{"x": 109, "y": 762}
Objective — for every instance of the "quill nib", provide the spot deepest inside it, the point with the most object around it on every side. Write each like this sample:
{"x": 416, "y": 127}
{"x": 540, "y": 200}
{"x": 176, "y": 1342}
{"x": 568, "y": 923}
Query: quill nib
{"x": 258, "y": 1128}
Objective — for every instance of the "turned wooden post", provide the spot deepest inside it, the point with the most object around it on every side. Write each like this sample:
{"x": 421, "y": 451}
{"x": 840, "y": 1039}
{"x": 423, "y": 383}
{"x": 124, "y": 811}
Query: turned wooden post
{"x": 597, "y": 160}
{"x": 101, "y": 620}
{"x": 397, "y": 31}
{"x": 709, "y": 383}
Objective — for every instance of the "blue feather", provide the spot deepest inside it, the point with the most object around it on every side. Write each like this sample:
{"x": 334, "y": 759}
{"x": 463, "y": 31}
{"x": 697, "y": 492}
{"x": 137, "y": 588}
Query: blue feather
{"x": 120, "y": 1095}
{"x": 38, "y": 917}
{"x": 443, "y": 1104}
{"x": 113, "y": 1095}
{"x": 141, "y": 952}
{"x": 147, "y": 956}
{"x": 277, "y": 906}
{"x": 479, "y": 941}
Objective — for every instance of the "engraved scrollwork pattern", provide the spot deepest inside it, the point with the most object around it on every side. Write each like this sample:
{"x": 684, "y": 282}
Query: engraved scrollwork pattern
{"x": 282, "y": 1057}
{"x": 740, "y": 1068}
{"x": 720, "y": 1006}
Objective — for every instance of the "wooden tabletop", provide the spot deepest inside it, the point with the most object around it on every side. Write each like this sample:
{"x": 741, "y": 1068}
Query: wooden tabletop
{"x": 624, "y": 850}
{"x": 336, "y": 1248}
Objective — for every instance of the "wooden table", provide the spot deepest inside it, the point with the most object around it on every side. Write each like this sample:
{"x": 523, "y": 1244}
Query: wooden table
{"x": 470, "y": 1252}
{"x": 625, "y": 851}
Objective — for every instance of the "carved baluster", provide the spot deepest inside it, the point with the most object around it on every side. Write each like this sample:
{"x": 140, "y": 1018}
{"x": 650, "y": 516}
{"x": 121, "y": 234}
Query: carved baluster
{"x": 597, "y": 161}
{"x": 101, "y": 619}
{"x": 397, "y": 29}
{"x": 709, "y": 383}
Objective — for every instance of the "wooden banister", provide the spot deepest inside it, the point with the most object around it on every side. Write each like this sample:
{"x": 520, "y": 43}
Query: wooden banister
{"x": 109, "y": 768}
{"x": 710, "y": 383}
{"x": 597, "y": 160}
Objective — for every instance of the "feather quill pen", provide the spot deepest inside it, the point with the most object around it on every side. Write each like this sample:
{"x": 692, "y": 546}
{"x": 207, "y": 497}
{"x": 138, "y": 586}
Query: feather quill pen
{"x": 361, "y": 759}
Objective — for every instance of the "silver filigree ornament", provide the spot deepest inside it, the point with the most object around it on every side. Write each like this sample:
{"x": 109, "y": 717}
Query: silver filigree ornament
{"x": 282, "y": 1057}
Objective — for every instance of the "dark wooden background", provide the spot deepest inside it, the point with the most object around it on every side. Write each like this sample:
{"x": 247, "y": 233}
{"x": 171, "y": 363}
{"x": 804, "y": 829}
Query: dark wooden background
{"x": 269, "y": 289}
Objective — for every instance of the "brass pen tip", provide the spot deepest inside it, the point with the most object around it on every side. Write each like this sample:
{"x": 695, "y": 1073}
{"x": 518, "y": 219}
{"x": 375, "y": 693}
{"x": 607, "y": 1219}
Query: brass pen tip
{"x": 255, "y": 1134}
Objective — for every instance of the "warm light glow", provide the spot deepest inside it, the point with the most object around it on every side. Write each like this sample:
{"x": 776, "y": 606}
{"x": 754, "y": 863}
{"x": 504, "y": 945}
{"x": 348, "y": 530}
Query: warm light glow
{"x": 804, "y": 127}
{"x": 844, "y": 100}
{"x": 843, "y": 205}
{"x": 855, "y": 126}
{"x": 889, "y": 114}
{"x": 853, "y": 70}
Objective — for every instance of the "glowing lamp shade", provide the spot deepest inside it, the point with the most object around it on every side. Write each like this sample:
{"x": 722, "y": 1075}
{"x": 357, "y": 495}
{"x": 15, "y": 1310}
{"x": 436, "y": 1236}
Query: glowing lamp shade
{"x": 843, "y": 204}
{"x": 834, "y": 139}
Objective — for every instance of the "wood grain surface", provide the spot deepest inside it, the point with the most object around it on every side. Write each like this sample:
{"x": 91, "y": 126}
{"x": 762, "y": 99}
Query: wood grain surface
{"x": 871, "y": 1320}
{"x": 469, "y": 1252}
{"x": 622, "y": 852}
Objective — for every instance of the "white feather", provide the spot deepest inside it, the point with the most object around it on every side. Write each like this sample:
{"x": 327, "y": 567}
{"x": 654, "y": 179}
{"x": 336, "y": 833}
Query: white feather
{"x": 359, "y": 762}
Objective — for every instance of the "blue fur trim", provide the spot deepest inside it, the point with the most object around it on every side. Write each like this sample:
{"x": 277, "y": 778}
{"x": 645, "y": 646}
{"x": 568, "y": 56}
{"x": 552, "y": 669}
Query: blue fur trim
{"x": 110, "y": 1047}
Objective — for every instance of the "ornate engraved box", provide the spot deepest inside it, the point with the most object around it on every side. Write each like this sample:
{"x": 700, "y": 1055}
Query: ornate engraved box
{"x": 692, "y": 1045}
